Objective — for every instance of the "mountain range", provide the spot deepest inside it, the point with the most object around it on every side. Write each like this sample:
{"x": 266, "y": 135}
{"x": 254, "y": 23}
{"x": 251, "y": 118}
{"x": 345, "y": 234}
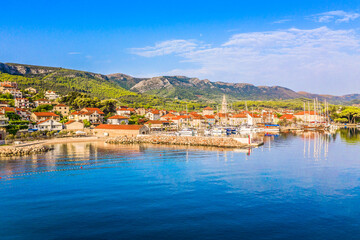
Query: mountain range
{"x": 178, "y": 87}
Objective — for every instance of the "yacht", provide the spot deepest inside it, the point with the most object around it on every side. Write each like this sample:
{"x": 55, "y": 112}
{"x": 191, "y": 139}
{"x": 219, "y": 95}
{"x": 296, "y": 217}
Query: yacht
{"x": 187, "y": 132}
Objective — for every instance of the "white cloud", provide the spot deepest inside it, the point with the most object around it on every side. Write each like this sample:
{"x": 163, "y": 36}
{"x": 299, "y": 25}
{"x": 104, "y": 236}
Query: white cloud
{"x": 166, "y": 47}
{"x": 321, "y": 59}
{"x": 281, "y": 21}
{"x": 338, "y": 16}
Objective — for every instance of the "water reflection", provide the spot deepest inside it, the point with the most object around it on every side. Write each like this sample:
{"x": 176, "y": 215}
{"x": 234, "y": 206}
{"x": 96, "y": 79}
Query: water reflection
{"x": 314, "y": 146}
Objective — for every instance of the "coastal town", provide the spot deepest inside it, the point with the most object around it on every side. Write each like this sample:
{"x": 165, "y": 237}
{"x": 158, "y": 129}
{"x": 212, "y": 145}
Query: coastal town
{"x": 24, "y": 117}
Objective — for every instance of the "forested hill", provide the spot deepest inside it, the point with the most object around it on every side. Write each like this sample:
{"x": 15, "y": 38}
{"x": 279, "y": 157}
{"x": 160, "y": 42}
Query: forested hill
{"x": 61, "y": 80}
{"x": 124, "y": 86}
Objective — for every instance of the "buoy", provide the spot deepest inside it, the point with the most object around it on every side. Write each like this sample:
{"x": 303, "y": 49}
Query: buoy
{"x": 160, "y": 154}
{"x": 81, "y": 167}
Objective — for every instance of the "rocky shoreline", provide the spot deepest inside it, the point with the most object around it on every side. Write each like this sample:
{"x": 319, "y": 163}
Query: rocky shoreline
{"x": 221, "y": 142}
{"x": 22, "y": 151}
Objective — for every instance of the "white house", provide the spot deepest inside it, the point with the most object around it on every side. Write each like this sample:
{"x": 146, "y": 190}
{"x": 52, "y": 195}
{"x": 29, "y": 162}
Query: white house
{"x": 153, "y": 115}
{"x": 22, "y": 103}
{"x": 42, "y": 102}
{"x": 49, "y": 125}
{"x": 117, "y": 120}
{"x": 51, "y": 95}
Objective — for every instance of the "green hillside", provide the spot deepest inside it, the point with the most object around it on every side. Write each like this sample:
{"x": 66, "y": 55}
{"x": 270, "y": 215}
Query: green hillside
{"x": 65, "y": 81}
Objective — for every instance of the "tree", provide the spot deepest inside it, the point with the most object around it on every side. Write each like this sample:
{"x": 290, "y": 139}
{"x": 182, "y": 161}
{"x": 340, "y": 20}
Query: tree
{"x": 352, "y": 114}
{"x": 86, "y": 123}
{"x": 43, "y": 108}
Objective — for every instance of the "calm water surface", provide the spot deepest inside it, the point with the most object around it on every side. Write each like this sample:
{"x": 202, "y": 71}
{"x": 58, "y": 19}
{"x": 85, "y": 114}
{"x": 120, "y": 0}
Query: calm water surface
{"x": 293, "y": 187}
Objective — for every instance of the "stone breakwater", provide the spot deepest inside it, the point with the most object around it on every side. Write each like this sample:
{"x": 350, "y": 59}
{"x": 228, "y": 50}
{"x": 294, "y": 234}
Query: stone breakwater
{"x": 21, "y": 151}
{"x": 179, "y": 140}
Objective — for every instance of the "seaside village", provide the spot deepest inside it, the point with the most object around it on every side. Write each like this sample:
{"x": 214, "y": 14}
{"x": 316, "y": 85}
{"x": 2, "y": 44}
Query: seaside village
{"x": 21, "y": 119}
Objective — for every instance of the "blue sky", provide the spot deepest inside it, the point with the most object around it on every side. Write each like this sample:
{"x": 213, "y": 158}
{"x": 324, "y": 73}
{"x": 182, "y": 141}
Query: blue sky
{"x": 303, "y": 45}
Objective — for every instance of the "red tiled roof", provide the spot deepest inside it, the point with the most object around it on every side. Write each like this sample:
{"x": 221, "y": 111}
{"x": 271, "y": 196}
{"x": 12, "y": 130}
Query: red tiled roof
{"x": 43, "y": 121}
{"x": 155, "y": 112}
{"x": 69, "y": 122}
{"x": 240, "y": 115}
{"x": 208, "y": 108}
{"x": 7, "y": 86}
{"x": 61, "y": 105}
{"x": 94, "y": 110}
{"x": 119, "y": 127}
{"x": 287, "y": 117}
{"x": 118, "y": 117}
{"x": 169, "y": 115}
{"x": 8, "y": 109}
{"x": 81, "y": 113}
{"x": 209, "y": 116}
{"x": 45, "y": 114}
{"x": 156, "y": 122}
{"x": 305, "y": 113}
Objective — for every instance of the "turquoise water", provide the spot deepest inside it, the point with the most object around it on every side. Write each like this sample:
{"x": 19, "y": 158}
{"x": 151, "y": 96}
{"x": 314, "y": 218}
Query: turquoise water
{"x": 293, "y": 187}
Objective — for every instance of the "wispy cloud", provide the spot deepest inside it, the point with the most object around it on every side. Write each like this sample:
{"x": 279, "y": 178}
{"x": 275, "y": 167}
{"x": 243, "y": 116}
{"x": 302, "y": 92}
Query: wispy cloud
{"x": 281, "y": 21}
{"x": 167, "y": 47}
{"x": 74, "y": 53}
{"x": 300, "y": 59}
{"x": 338, "y": 16}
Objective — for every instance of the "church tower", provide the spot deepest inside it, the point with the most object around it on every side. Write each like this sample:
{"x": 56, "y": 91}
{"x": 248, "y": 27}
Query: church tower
{"x": 224, "y": 105}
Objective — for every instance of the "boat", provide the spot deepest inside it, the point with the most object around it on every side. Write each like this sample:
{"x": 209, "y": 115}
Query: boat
{"x": 248, "y": 129}
{"x": 187, "y": 132}
{"x": 271, "y": 128}
{"x": 218, "y": 132}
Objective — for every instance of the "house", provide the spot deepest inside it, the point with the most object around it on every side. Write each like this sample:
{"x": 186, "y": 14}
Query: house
{"x": 74, "y": 125}
{"x": 24, "y": 113}
{"x": 5, "y": 87}
{"x": 198, "y": 121}
{"x": 167, "y": 117}
{"x": 181, "y": 120}
{"x": 210, "y": 119}
{"x": 222, "y": 118}
{"x": 4, "y": 121}
{"x": 238, "y": 119}
{"x": 208, "y": 111}
{"x": 153, "y": 115}
{"x": 62, "y": 109}
{"x": 22, "y": 103}
{"x": 49, "y": 125}
{"x": 117, "y": 120}
{"x": 42, "y": 102}
{"x": 120, "y": 130}
{"x": 124, "y": 111}
{"x": 41, "y": 116}
{"x": 80, "y": 116}
{"x": 254, "y": 119}
{"x": 12, "y": 84}
{"x": 51, "y": 95}
{"x": 157, "y": 125}
{"x": 16, "y": 93}
{"x": 95, "y": 114}
{"x": 309, "y": 116}
{"x": 31, "y": 90}
{"x": 140, "y": 111}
